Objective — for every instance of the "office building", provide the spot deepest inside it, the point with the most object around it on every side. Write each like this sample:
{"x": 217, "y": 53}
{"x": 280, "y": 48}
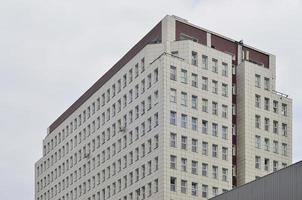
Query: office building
{"x": 185, "y": 114}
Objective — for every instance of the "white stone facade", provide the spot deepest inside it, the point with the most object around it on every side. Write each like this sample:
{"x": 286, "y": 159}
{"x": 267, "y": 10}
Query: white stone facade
{"x": 161, "y": 128}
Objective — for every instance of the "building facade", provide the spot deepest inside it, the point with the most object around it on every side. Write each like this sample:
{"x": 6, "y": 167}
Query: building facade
{"x": 185, "y": 114}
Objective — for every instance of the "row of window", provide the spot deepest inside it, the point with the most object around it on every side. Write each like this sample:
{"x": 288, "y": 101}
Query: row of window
{"x": 267, "y": 146}
{"x": 195, "y": 147}
{"x": 194, "y": 188}
{"x": 205, "y": 63}
{"x": 267, "y": 105}
{"x": 267, "y": 164}
{"x": 204, "y": 167}
{"x": 106, "y": 193}
{"x": 194, "y": 81}
{"x": 258, "y": 82}
{"x": 267, "y": 124}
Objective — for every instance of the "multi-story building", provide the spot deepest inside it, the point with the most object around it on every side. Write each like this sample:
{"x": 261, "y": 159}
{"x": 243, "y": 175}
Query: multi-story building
{"x": 185, "y": 114}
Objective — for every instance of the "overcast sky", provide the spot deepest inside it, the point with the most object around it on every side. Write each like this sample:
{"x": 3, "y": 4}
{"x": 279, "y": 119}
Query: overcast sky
{"x": 52, "y": 51}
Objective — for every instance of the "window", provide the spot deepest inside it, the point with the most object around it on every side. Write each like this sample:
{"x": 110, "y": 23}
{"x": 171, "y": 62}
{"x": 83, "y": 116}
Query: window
{"x": 257, "y": 80}
{"x": 284, "y": 109}
{"x": 284, "y": 129}
{"x": 215, "y": 172}
{"x": 257, "y": 162}
{"x": 204, "y": 126}
{"x": 275, "y": 127}
{"x": 258, "y": 141}
{"x": 214, "y": 108}
{"x": 214, "y": 150}
{"x": 173, "y": 73}
{"x": 266, "y": 144}
{"x": 184, "y": 142}
{"x": 224, "y": 90}
{"x": 183, "y": 164}
{"x": 204, "y": 62}
{"x": 194, "y": 145}
{"x": 225, "y": 69}
{"x": 234, "y": 91}
{"x": 224, "y": 111}
{"x": 173, "y": 184}
{"x": 204, "y": 148}
{"x": 214, "y": 87}
{"x": 184, "y": 98}
{"x": 204, "y": 105}
{"x": 215, "y": 129}
{"x": 204, "y": 189}
{"x": 173, "y": 140}
{"x": 204, "y": 83}
{"x": 275, "y": 106}
{"x": 257, "y": 101}
{"x": 266, "y": 103}
{"x": 194, "y": 80}
{"x": 194, "y": 167}
{"x": 183, "y": 76}
{"x": 257, "y": 121}
{"x": 266, "y": 124}
{"x": 224, "y": 153}
{"x": 194, "y": 101}
{"x": 183, "y": 186}
{"x": 266, "y": 164}
{"x": 214, "y": 66}
{"x": 224, "y": 174}
{"x": 214, "y": 191}
{"x": 194, "y": 58}
{"x": 224, "y": 132}
{"x": 284, "y": 149}
{"x": 276, "y": 146}
{"x": 266, "y": 83}
{"x": 172, "y": 117}
{"x": 184, "y": 121}
{"x": 172, "y": 162}
{"x": 194, "y": 123}
{"x": 275, "y": 165}
{"x": 204, "y": 169}
{"x": 194, "y": 189}
{"x": 173, "y": 95}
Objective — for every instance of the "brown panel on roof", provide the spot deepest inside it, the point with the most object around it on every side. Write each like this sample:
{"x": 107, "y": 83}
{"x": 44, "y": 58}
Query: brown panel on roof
{"x": 224, "y": 45}
{"x": 154, "y": 36}
{"x": 258, "y": 57}
{"x": 185, "y": 29}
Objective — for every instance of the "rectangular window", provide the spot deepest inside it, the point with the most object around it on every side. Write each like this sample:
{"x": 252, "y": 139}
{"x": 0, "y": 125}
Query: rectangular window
{"x": 284, "y": 109}
{"x": 173, "y": 117}
{"x": 183, "y": 164}
{"x": 266, "y": 104}
{"x": 214, "y": 65}
{"x": 266, "y": 164}
{"x": 224, "y": 153}
{"x": 224, "y": 134}
{"x": 204, "y": 189}
{"x": 184, "y": 98}
{"x": 172, "y": 162}
{"x": 258, "y": 141}
{"x": 224, "y": 111}
{"x": 257, "y": 80}
{"x": 184, "y": 142}
{"x": 257, "y": 121}
{"x": 204, "y": 62}
{"x": 204, "y": 126}
{"x": 257, "y": 101}
{"x": 214, "y": 129}
{"x": 194, "y": 80}
{"x": 204, "y": 105}
{"x": 194, "y": 145}
{"x": 173, "y": 140}
{"x": 225, "y": 69}
{"x": 214, "y": 172}
{"x": 284, "y": 129}
{"x": 214, "y": 108}
{"x": 204, "y": 169}
{"x": 194, "y": 58}
{"x": 214, "y": 150}
{"x": 224, "y": 90}
{"x": 266, "y": 144}
{"x": 184, "y": 76}
{"x": 257, "y": 162}
{"x": 276, "y": 146}
{"x": 266, "y": 124}
{"x": 275, "y": 106}
{"x": 173, "y": 73}
{"x": 173, "y": 95}
{"x": 183, "y": 186}
{"x": 204, "y": 83}
{"x": 266, "y": 83}
{"x": 275, "y": 127}
{"x": 224, "y": 174}
{"x": 194, "y": 189}
{"x": 194, "y": 101}
{"x": 172, "y": 184}
{"x": 204, "y": 148}
{"x": 184, "y": 121}
{"x": 194, "y": 123}
{"x": 214, "y": 87}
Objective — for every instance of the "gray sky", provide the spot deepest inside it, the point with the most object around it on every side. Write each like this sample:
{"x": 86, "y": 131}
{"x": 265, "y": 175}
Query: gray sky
{"x": 52, "y": 51}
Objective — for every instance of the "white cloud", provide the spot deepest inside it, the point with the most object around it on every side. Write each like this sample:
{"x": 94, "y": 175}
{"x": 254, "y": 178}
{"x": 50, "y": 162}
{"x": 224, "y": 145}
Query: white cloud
{"x": 52, "y": 51}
